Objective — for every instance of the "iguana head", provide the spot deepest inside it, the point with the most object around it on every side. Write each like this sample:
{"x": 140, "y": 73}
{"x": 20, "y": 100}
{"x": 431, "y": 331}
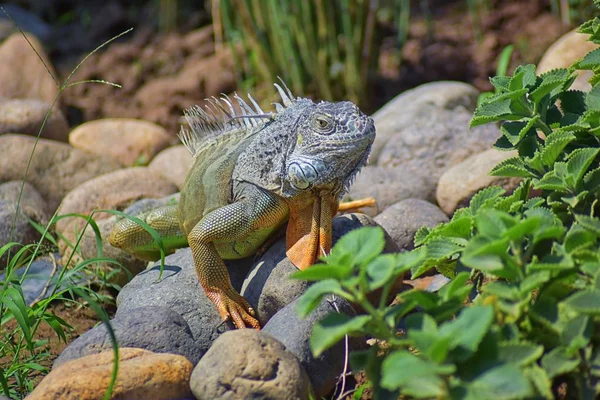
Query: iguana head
{"x": 333, "y": 142}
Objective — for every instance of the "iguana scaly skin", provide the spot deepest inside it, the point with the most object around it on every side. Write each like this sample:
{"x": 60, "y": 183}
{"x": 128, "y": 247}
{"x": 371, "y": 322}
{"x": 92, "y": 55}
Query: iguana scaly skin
{"x": 252, "y": 172}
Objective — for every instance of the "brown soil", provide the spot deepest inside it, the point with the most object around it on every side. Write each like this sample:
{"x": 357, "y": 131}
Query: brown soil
{"x": 162, "y": 74}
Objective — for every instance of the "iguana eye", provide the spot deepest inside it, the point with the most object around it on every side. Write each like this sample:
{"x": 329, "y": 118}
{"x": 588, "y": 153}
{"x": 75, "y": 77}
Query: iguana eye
{"x": 323, "y": 125}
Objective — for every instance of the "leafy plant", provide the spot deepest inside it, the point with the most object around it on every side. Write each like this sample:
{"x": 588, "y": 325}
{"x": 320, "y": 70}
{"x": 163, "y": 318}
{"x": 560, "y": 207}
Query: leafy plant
{"x": 520, "y": 316}
{"x": 323, "y": 47}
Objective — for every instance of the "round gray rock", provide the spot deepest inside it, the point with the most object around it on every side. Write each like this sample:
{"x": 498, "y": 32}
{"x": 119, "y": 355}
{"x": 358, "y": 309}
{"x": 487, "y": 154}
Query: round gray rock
{"x": 248, "y": 364}
{"x": 419, "y": 103}
{"x": 295, "y": 333}
{"x": 180, "y": 291}
{"x": 419, "y": 154}
{"x": 403, "y": 219}
{"x": 268, "y": 288}
{"x": 157, "y": 329}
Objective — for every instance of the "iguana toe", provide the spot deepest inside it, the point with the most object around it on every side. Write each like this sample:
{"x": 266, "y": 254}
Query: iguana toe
{"x": 236, "y": 308}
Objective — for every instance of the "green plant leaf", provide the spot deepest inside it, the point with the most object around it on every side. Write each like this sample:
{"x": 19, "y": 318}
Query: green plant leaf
{"x": 577, "y": 332}
{"x": 591, "y": 181}
{"x": 333, "y": 328}
{"x": 579, "y": 161}
{"x": 503, "y": 290}
{"x": 505, "y": 382}
{"x": 321, "y": 272}
{"x": 590, "y": 61}
{"x": 441, "y": 247}
{"x": 578, "y": 238}
{"x": 592, "y": 99}
{"x": 413, "y": 375}
{"x": 467, "y": 331}
{"x": 519, "y": 353}
{"x": 585, "y": 301}
{"x": 558, "y": 362}
{"x": 539, "y": 378}
{"x": 523, "y": 77}
{"x": 516, "y": 131}
{"x": 550, "y": 181}
{"x": 13, "y": 299}
{"x": 551, "y": 83}
{"x": 513, "y": 167}
{"x": 573, "y": 101}
{"x": 364, "y": 243}
{"x": 315, "y": 293}
{"x": 589, "y": 223}
{"x": 555, "y": 143}
{"x": 380, "y": 271}
{"x": 484, "y": 197}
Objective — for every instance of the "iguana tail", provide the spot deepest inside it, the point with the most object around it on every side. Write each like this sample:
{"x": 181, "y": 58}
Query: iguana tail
{"x": 133, "y": 238}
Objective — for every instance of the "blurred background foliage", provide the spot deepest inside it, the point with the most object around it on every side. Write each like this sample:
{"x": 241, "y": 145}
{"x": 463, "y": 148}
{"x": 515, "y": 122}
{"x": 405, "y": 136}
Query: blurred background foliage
{"x": 326, "y": 49}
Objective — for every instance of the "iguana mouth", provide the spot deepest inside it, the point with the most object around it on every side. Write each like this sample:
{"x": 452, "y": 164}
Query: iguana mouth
{"x": 308, "y": 234}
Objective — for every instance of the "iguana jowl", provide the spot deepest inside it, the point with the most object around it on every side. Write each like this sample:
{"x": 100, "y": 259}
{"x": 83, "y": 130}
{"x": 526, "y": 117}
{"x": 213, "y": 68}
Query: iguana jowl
{"x": 252, "y": 172}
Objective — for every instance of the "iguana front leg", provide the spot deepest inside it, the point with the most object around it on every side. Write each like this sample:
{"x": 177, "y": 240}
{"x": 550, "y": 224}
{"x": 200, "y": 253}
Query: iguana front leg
{"x": 239, "y": 227}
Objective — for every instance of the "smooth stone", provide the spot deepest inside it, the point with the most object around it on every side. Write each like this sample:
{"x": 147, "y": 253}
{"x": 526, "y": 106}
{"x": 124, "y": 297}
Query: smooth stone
{"x": 421, "y": 152}
{"x": 22, "y": 73}
{"x": 131, "y": 142}
{"x": 403, "y": 219}
{"x": 295, "y": 333}
{"x": 26, "y": 116}
{"x": 419, "y": 103}
{"x": 569, "y": 48}
{"x": 41, "y": 279}
{"x": 180, "y": 291}
{"x": 268, "y": 288}
{"x": 56, "y": 168}
{"x": 459, "y": 183}
{"x": 248, "y": 364}
{"x": 142, "y": 375}
{"x": 157, "y": 329}
{"x": 173, "y": 163}
{"x": 113, "y": 191}
{"x": 27, "y": 21}
{"x": 15, "y": 223}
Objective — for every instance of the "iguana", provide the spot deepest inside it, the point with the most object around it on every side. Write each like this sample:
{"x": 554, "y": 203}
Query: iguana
{"x": 252, "y": 172}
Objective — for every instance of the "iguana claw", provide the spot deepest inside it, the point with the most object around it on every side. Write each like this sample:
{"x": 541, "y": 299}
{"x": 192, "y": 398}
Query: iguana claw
{"x": 235, "y": 307}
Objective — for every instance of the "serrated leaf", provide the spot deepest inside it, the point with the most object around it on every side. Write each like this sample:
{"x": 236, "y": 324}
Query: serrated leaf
{"x": 487, "y": 256}
{"x": 519, "y": 353}
{"x": 505, "y": 382}
{"x": 333, "y": 328}
{"x": 555, "y": 143}
{"x": 502, "y": 106}
{"x": 550, "y": 181}
{"x": 523, "y": 77}
{"x": 415, "y": 376}
{"x": 591, "y": 180}
{"x": 579, "y": 160}
{"x": 577, "y": 238}
{"x": 441, "y": 248}
{"x": 533, "y": 281}
{"x": 590, "y": 61}
{"x": 484, "y": 196}
{"x": 592, "y": 99}
{"x": 500, "y": 83}
{"x": 314, "y": 295}
{"x": 503, "y": 144}
{"x": 512, "y": 167}
{"x": 577, "y": 332}
{"x": 551, "y": 83}
{"x": 573, "y": 102}
{"x": 516, "y": 130}
{"x": 589, "y": 223}
{"x": 539, "y": 378}
{"x": 558, "y": 362}
{"x": 421, "y": 235}
{"x": 585, "y": 301}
